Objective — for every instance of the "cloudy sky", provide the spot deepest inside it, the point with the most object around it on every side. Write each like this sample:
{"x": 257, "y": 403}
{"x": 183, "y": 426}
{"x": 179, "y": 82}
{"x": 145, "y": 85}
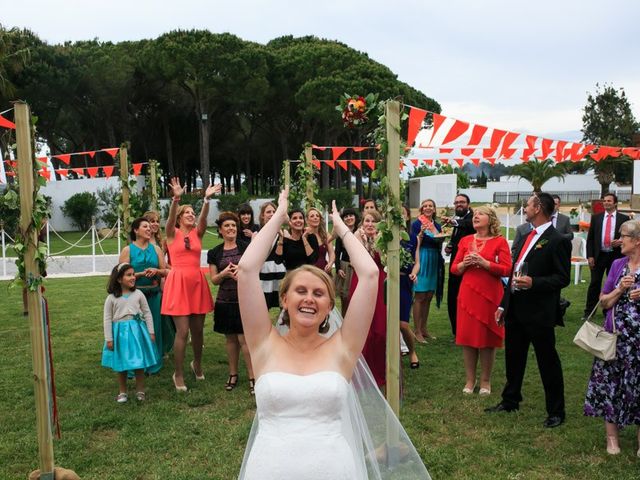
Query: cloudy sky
{"x": 515, "y": 65}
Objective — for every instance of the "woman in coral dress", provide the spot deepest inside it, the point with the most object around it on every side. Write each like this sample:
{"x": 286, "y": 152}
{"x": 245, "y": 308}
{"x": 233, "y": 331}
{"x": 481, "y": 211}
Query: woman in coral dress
{"x": 186, "y": 296}
{"x": 482, "y": 259}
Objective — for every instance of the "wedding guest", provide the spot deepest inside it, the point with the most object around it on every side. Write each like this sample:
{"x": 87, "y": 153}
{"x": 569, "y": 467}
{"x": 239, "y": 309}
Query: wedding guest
{"x": 273, "y": 270}
{"x": 297, "y": 246}
{"x": 247, "y": 227}
{"x": 408, "y": 277}
{"x": 326, "y": 253}
{"x": 614, "y": 387}
{"x": 344, "y": 271}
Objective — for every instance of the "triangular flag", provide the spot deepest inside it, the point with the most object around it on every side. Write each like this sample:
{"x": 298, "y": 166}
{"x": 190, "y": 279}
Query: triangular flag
{"x": 455, "y": 131}
{"x": 476, "y": 134}
{"x": 79, "y": 171}
{"x": 506, "y": 152}
{"x": 45, "y": 173}
{"x": 337, "y": 151}
{"x": 137, "y": 168}
{"x": 429, "y": 162}
{"x": 446, "y": 150}
{"x": 42, "y": 159}
{"x": 492, "y": 161}
{"x": 496, "y": 138}
{"x": 65, "y": 158}
{"x": 343, "y": 164}
{"x": 573, "y": 152}
{"x": 6, "y": 123}
{"x": 401, "y": 165}
{"x": 416, "y": 117}
{"x": 415, "y": 162}
{"x": 459, "y": 161}
{"x": 631, "y": 152}
{"x": 331, "y": 163}
{"x": 560, "y": 150}
{"x": 110, "y": 151}
{"x": 476, "y": 161}
{"x": 531, "y": 147}
{"x": 91, "y": 154}
{"x": 371, "y": 164}
{"x": 467, "y": 151}
{"x": 444, "y": 161}
{"x": 92, "y": 171}
{"x": 108, "y": 170}
{"x": 357, "y": 164}
{"x": 546, "y": 148}
{"x": 438, "y": 120}
{"x": 63, "y": 172}
{"x": 585, "y": 151}
{"x": 316, "y": 163}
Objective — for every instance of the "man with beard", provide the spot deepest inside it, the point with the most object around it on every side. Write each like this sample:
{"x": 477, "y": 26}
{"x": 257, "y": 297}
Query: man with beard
{"x": 462, "y": 224}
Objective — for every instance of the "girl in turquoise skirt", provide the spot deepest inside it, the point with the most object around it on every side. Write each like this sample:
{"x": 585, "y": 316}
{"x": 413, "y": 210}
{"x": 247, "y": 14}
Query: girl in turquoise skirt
{"x": 128, "y": 331}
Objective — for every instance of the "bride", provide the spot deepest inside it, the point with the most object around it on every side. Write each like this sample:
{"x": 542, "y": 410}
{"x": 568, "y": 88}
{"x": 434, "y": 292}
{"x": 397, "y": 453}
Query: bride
{"x": 310, "y": 422}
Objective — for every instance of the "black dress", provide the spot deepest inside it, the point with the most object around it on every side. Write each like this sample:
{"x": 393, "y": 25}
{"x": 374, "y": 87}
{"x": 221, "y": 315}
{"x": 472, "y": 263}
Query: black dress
{"x": 294, "y": 255}
{"x": 226, "y": 313}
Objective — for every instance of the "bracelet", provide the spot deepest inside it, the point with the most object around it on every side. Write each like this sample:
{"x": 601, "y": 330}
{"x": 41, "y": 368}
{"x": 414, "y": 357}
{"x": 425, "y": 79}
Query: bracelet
{"x": 176, "y": 199}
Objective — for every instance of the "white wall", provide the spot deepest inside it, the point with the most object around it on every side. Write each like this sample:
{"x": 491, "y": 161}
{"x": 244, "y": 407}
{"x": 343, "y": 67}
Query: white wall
{"x": 440, "y": 188}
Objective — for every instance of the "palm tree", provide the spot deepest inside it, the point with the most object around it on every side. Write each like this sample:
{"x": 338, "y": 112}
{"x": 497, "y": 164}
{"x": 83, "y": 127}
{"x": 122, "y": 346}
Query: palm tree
{"x": 539, "y": 172}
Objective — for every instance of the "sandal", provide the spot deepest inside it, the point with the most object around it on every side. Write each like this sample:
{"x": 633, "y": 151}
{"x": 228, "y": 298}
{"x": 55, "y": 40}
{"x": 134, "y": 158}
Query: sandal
{"x": 122, "y": 398}
{"x": 252, "y": 386}
{"x": 231, "y": 385}
{"x": 141, "y": 396}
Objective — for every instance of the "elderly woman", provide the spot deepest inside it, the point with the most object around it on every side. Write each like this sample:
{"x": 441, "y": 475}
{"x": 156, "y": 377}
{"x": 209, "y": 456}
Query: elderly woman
{"x": 481, "y": 260}
{"x": 147, "y": 261}
{"x": 223, "y": 262}
{"x": 186, "y": 297}
{"x": 614, "y": 387}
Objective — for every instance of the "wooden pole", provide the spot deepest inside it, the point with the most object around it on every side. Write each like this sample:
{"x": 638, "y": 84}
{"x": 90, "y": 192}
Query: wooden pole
{"x": 124, "y": 180}
{"x": 287, "y": 173}
{"x": 153, "y": 174}
{"x": 34, "y": 297}
{"x": 392, "y": 116}
{"x": 308, "y": 157}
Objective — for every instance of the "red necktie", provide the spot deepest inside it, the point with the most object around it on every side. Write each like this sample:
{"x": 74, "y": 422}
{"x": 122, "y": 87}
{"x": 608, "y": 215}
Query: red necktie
{"x": 526, "y": 245}
{"x": 607, "y": 232}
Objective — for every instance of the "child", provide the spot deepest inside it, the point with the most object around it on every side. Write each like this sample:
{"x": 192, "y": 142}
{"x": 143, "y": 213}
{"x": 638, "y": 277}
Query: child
{"x": 129, "y": 343}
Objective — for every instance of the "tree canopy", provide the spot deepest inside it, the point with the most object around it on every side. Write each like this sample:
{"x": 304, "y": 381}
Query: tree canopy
{"x": 201, "y": 103}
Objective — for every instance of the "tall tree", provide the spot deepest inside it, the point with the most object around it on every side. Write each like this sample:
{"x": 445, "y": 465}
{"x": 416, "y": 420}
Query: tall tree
{"x": 608, "y": 120}
{"x": 539, "y": 172}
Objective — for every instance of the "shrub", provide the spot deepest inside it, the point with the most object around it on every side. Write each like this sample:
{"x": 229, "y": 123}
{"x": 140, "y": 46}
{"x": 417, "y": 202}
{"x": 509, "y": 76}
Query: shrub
{"x": 342, "y": 196}
{"x": 231, "y": 202}
{"x": 80, "y": 208}
{"x": 110, "y": 199}
{"x": 10, "y": 208}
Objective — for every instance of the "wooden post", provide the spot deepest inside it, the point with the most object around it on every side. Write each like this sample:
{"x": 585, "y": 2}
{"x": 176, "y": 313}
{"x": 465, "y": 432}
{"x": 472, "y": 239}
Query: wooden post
{"x": 34, "y": 298}
{"x": 287, "y": 173}
{"x": 124, "y": 180}
{"x": 308, "y": 157}
{"x": 153, "y": 180}
{"x": 392, "y": 115}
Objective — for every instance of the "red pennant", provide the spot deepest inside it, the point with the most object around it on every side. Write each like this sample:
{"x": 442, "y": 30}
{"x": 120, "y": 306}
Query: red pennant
{"x": 337, "y": 151}
{"x": 11, "y": 163}
{"x": 357, "y": 164}
{"x": 446, "y": 150}
{"x": 531, "y": 147}
{"x": 137, "y": 168}
{"x": 560, "y": 154}
{"x": 79, "y": 171}
{"x": 585, "y": 151}
{"x": 573, "y": 152}
{"x": 613, "y": 152}
{"x": 401, "y": 165}
{"x": 492, "y": 161}
{"x": 110, "y": 151}
{"x": 359, "y": 149}
{"x": 456, "y": 130}
{"x": 459, "y": 161}
{"x": 476, "y": 161}
{"x": 438, "y": 120}
{"x": 42, "y": 159}
{"x": 467, "y": 152}
{"x": 45, "y": 173}
{"x": 476, "y": 134}
{"x": 631, "y": 152}
{"x": 496, "y": 138}
{"x": 416, "y": 117}
{"x": 65, "y": 158}
{"x": 507, "y": 152}
{"x": 444, "y": 161}
{"x": 546, "y": 148}
{"x": 415, "y": 162}
{"x": 371, "y": 164}
{"x": 429, "y": 162}
{"x": 108, "y": 171}
{"x": 343, "y": 163}
{"x": 92, "y": 171}
{"x": 63, "y": 172}
{"x": 6, "y": 123}
{"x": 316, "y": 163}
{"x": 331, "y": 163}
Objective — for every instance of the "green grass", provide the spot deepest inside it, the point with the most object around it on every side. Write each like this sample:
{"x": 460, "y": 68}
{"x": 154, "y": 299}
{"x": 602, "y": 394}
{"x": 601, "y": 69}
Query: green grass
{"x": 202, "y": 434}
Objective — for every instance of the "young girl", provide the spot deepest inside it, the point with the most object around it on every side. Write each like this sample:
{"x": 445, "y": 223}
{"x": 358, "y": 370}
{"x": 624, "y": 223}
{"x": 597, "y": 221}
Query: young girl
{"x": 128, "y": 331}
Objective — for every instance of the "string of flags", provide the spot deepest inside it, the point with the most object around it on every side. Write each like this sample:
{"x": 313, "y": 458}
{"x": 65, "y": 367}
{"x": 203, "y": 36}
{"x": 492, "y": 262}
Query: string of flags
{"x": 90, "y": 172}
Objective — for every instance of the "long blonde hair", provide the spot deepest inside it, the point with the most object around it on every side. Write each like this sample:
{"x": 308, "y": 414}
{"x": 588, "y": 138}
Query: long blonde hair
{"x": 152, "y": 215}
{"x": 322, "y": 231}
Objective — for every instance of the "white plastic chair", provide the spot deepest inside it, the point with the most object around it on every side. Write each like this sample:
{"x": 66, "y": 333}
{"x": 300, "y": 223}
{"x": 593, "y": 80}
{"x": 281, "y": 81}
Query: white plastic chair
{"x": 578, "y": 257}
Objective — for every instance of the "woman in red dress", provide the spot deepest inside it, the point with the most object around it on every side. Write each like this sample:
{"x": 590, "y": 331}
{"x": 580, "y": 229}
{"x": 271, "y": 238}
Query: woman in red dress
{"x": 186, "y": 296}
{"x": 482, "y": 259}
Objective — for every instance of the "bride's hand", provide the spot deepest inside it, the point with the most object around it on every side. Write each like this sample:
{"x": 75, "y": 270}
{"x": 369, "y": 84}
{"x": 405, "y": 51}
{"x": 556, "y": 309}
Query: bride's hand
{"x": 339, "y": 227}
{"x": 283, "y": 205}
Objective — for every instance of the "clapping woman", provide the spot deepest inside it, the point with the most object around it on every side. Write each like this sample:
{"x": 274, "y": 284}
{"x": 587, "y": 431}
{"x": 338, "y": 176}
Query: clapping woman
{"x": 614, "y": 387}
{"x": 187, "y": 297}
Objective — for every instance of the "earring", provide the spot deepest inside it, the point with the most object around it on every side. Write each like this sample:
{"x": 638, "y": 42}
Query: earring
{"x": 324, "y": 326}
{"x": 284, "y": 320}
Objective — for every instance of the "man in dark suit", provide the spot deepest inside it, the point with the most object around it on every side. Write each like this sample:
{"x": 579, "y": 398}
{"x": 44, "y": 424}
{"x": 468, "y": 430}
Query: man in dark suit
{"x": 603, "y": 246}
{"x": 462, "y": 226}
{"x": 530, "y": 310}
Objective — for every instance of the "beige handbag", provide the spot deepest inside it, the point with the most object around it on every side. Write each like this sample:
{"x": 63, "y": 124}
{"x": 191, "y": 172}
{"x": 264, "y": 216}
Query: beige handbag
{"x": 596, "y": 340}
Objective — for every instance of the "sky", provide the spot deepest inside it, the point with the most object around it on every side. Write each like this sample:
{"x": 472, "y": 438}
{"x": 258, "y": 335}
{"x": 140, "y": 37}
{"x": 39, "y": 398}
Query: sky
{"x": 515, "y": 65}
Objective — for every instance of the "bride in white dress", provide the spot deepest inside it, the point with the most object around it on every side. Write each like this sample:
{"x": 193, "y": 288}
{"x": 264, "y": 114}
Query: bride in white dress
{"x": 309, "y": 421}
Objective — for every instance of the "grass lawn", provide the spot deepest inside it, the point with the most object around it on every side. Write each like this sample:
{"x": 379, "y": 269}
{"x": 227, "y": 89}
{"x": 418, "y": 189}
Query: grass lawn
{"x": 202, "y": 434}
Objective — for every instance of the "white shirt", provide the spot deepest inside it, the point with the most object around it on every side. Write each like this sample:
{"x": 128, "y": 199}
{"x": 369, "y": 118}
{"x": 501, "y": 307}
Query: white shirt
{"x": 554, "y": 219}
{"x": 539, "y": 231}
{"x": 612, "y": 230}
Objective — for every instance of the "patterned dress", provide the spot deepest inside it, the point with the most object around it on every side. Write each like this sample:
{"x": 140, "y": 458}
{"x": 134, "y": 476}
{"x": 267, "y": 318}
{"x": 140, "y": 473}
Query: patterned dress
{"x": 614, "y": 387}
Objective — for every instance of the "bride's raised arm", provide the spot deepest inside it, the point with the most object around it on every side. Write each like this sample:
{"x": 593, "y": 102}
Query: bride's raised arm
{"x": 357, "y": 320}
{"x": 253, "y": 307}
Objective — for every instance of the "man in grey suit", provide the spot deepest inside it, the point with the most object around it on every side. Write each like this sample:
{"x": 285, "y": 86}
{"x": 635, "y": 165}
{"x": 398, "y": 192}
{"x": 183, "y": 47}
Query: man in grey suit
{"x": 560, "y": 221}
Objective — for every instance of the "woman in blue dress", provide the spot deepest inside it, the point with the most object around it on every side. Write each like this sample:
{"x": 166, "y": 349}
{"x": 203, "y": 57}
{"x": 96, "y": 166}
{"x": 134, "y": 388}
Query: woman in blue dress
{"x": 149, "y": 267}
{"x": 430, "y": 278}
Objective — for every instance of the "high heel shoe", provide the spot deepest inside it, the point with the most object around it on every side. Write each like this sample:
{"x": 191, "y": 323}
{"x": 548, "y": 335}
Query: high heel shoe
{"x": 198, "y": 377}
{"x": 613, "y": 448}
{"x": 181, "y": 388}
{"x": 231, "y": 385}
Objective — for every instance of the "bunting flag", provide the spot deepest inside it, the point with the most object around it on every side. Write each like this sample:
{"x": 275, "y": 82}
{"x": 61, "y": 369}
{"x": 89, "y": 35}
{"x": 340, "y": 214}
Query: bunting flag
{"x": 316, "y": 163}
{"x": 63, "y": 172}
{"x": 416, "y": 117}
{"x": 343, "y": 164}
{"x": 65, "y": 158}
{"x": 108, "y": 170}
{"x": 331, "y": 163}
{"x": 531, "y": 147}
{"x": 415, "y": 162}
{"x": 455, "y": 132}
{"x": 92, "y": 171}
{"x": 337, "y": 151}
{"x": 111, "y": 151}
{"x": 6, "y": 123}
{"x": 45, "y": 173}
{"x": 357, "y": 164}
{"x": 137, "y": 168}
{"x": 79, "y": 171}
{"x": 370, "y": 163}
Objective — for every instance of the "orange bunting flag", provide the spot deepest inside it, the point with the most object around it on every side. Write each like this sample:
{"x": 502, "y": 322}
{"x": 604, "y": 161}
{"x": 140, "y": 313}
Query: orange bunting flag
{"x": 42, "y": 159}
{"x": 613, "y": 152}
{"x": 415, "y": 162}
{"x": 585, "y": 151}
{"x": 6, "y": 123}
{"x": 331, "y": 163}
{"x": 316, "y": 163}
{"x": 357, "y": 164}
{"x": 560, "y": 153}
{"x": 547, "y": 148}
{"x": 492, "y": 161}
{"x": 459, "y": 161}
{"x": 444, "y": 161}
{"x": 631, "y": 152}
{"x": 79, "y": 171}
{"x": 429, "y": 162}
{"x": 455, "y": 131}
{"x": 337, "y": 151}
{"x": 343, "y": 164}
{"x": 416, "y": 117}
{"x": 438, "y": 120}
{"x": 446, "y": 150}
{"x": 63, "y": 172}
{"x": 507, "y": 152}
{"x": 401, "y": 165}
{"x": 110, "y": 151}
{"x": 496, "y": 138}
{"x": 476, "y": 134}
{"x": 531, "y": 147}
{"x": 65, "y": 158}
{"x": 92, "y": 171}
{"x": 371, "y": 164}
{"x": 573, "y": 152}
{"x": 476, "y": 161}
{"x": 45, "y": 173}
{"x": 108, "y": 171}
{"x": 467, "y": 152}
{"x": 137, "y": 168}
